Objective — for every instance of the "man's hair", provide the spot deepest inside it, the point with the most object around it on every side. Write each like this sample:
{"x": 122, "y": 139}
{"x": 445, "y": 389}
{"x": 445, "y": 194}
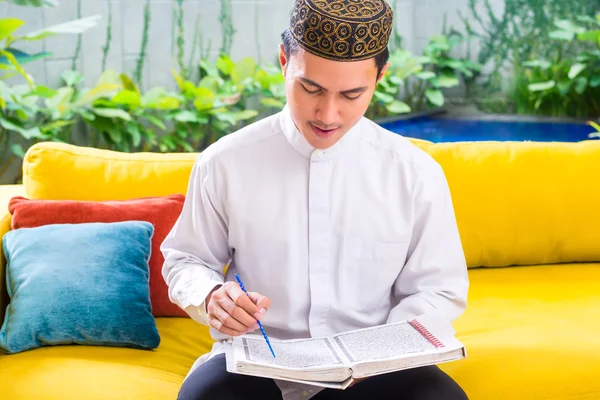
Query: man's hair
{"x": 290, "y": 47}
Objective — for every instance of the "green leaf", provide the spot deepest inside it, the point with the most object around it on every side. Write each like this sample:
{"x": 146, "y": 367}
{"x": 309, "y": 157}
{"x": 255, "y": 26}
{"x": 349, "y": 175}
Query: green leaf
{"x": 36, "y": 3}
{"x": 61, "y": 100}
{"x": 208, "y": 68}
{"x": 186, "y": 116}
{"x": 426, "y": 75}
{"x": 585, "y": 19}
{"x": 576, "y": 70}
{"x": 595, "y": 81}
{"x": 110, "y": 77}
{"x": 446, "y": 81}
{"x": 18, "y": 150}
{"x": 42, "y": 91}
{"x": 212, "y": 83}
{"x": 590, "y": 36}
{"x": 158, "y": 97}
{"x": 134, "y": 131}
{"x": 225, "y": 64}
{"x": 71, "y": 78}
{"x": 128, "y": 83}
{"x": 167, "y": 103}
{"x": 245, "y": 115}
{"x": 271, "y": 102}
{"x": 127, "y": 97}
{"x": 8, "y": 26}
{"x": 383, "y": 97}
{"x": 564, "y": 86}
{"x": 543, "y": 64}
{"x": 569, "y": 26}
{"x": 114, "y": 134}
{"x": 435, "y": 97}
{"x": 581, "y": 84}
{"x": 541, "y": 86}
{"x": 398, "y": 107}
{"x": 72, "y": 27}
{"x": 21, "y": 57}
{"x": 155, "y": 121}
{"x": 26, "y": 133}
{"x": 205, "y": 99}
{"x": 105, "y": 90}
{"x": 112, "y": 113}
{"x": 278, "y": 90}
{"x": 451, "y": 63}
{"x": 56, "y": 125}
{"x": 243, "y": 69}
{"x": 561, "y": 35}
{"x": 396, "y": 80}
{"x": 225, "y": 116}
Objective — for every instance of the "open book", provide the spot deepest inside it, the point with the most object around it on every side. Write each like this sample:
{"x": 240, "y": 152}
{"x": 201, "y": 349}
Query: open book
{"x": 336, "y": 361}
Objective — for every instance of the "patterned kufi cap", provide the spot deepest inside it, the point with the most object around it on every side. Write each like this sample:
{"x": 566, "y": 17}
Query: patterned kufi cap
{"x": 342, "y": 30}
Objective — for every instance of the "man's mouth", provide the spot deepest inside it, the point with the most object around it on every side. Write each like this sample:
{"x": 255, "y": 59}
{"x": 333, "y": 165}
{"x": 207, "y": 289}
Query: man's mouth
{"x": 323, "y": 133}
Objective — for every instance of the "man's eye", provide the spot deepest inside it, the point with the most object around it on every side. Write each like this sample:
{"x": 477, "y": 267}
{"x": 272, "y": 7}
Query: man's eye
{"x": 352, "y": 97}
{"x": 310, "y": 91}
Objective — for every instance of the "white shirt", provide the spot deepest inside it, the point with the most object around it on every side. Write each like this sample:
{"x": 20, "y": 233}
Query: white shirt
{"x": 356, "y": 235}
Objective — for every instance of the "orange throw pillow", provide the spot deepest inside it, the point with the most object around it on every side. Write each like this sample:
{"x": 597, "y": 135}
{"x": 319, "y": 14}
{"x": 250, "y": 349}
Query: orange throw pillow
{"x": 161, "y": 212}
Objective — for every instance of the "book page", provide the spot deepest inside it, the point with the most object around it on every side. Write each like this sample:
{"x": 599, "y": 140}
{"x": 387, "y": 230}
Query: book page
{"x": 293, "y": 354}
{"x": 382, "y": 342}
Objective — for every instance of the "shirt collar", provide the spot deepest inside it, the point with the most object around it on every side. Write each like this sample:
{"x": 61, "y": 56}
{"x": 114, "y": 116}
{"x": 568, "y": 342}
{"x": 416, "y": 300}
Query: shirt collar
{"x": 301, "y": 145}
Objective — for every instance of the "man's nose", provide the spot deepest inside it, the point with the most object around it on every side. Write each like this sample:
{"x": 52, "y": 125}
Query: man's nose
{"x": 327, "y": 111}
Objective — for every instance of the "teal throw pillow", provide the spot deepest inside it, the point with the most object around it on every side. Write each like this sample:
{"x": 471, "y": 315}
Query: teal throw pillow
{"x": 81, "y": 284}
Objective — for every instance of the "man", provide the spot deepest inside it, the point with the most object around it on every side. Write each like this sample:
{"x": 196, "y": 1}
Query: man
{"x": 333, "y": 222}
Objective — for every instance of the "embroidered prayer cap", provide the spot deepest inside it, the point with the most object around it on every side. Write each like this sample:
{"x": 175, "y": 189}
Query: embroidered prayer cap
{"x": 342, "y": 30}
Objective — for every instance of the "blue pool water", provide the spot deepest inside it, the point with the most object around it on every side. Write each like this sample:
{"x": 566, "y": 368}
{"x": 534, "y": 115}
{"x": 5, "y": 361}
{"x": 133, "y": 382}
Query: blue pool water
{"x": 454, "y": 130}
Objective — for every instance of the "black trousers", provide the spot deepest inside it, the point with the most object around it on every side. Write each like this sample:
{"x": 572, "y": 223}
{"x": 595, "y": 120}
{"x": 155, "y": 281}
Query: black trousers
{"x": 211, "y": 381}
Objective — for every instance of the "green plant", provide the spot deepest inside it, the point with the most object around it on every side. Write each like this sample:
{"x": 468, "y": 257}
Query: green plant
{"x": 33, "y": 3}
{"x": 415, "y": 83}
{"x": 521, "y": 31}
{"x": 139, "y": 66}
{"x": 217, "y": 104}
{"x": 560, "y": 84}
{"x": 13, "y": 59}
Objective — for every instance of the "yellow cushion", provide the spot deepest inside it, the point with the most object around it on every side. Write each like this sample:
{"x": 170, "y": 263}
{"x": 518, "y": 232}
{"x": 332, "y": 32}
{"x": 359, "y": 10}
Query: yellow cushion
{"x": 531, "y": 333}
{"x": 524, "y": 203}
{"x": 102, "y": 373}
{"x": 62, "y": 171}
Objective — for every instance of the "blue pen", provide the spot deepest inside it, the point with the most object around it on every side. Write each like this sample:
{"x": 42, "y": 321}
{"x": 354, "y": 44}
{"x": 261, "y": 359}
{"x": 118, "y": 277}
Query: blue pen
{"x": 237, "y": 277}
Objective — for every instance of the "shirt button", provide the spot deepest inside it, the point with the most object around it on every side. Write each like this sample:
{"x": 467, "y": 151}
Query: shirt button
{"x": 319, "y": 154}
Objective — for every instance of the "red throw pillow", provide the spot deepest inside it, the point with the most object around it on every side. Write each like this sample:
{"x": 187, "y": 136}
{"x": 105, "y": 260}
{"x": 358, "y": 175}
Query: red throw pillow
{"x": 161, "y": 212}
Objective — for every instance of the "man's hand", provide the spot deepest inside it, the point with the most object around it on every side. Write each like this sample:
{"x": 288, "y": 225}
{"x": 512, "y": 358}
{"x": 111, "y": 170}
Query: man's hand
{"x": 232, "y": 312}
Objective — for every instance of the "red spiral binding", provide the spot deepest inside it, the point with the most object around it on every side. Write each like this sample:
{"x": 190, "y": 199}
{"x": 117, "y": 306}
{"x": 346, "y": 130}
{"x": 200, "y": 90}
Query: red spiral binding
{"x": 423, "y": 331}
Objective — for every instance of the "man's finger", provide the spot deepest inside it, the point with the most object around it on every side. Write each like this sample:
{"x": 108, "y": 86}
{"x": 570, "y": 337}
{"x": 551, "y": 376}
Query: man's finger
{"x": 218, "y": 325}
{"x": 229, "y": 320}
{"x": 262, "y": 302}
{"x": 237, "y": 312}
{"x": 242, "y": 300}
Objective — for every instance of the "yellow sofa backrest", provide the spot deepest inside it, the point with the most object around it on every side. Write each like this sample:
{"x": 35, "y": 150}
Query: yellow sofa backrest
{"x": 516, "y": 203}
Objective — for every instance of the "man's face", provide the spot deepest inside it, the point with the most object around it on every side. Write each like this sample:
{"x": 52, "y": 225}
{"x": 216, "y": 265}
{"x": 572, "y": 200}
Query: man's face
{"x": 327, "y": 98}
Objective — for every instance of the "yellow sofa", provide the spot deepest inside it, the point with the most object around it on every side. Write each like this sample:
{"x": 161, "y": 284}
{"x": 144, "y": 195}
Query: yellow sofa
{"x": 529, "y": 217}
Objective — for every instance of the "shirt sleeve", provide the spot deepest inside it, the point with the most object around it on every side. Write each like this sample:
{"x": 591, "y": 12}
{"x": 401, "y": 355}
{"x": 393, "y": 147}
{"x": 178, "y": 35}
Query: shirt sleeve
{"x": 434, "y": 279}
{"x": 196, "y": 250}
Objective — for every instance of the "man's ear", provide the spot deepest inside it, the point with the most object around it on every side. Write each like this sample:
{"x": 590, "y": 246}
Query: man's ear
{"x": 282, "y": 59}
{"x": 383, "y": 71}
